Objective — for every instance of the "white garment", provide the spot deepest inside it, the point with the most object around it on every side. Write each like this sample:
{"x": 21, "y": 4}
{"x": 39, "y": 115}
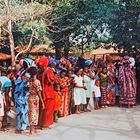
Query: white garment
{"x": 87, "y": 84}
{"x": 1, "y": 105}
{"x": 92, "y": 84}
{"x": 79, "y": 93}
{"x": 132, "y": 60}
{"x": 97, "y": 91}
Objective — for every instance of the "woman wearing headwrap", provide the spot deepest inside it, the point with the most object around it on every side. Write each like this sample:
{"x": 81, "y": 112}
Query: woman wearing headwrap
{"x": 127, "y": 83}
{"x": 21, "y": 96}
{"x": 25, "y": 64}
{"x": 48, "y": 79}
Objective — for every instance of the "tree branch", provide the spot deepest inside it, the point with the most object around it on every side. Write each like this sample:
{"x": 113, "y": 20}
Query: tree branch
{"x": 6, "y": 30}
{"x": 59, "y": 30}
{"x": 62, "y": 39}
{"x": 29, "y": 45}
{"x": 3, "y": 44}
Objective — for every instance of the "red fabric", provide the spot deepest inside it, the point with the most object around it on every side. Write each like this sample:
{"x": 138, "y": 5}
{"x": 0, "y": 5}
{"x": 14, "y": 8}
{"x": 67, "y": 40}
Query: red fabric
{"x": 47, "y": 113}
{"x": 48, "y": 97}
{"x": 58, "y": 97}
{"x": 64, "y": 107}
{"x": 43, "y": 61}
{"x": 47, "y": 82}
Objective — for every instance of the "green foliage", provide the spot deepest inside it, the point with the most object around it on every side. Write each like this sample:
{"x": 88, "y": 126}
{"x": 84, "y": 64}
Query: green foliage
{"x": 76, "y": 14}
{"x": 92, "y": 20}
{"x": 26, "y": 28}
{"x": 121, "y": 17}
{"x": 126, "y": 26}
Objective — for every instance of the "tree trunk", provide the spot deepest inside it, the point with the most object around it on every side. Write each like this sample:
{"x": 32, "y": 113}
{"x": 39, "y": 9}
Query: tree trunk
{"x": 82, "y": 49}
{"x": 11, "y": 40}
{"x": 9, "y": 28}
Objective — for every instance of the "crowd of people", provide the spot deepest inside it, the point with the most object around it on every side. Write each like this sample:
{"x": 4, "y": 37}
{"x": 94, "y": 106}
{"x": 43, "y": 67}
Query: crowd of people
{"x": 43, "y": 90}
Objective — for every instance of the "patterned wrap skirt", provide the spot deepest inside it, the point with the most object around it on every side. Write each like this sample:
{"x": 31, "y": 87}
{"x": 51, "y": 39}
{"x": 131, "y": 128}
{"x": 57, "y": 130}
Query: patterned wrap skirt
{"x": 33, "y": 112}
{"x": 103, "y": 95}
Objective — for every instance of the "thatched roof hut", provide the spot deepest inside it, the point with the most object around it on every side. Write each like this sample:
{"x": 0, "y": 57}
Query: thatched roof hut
{"x": 4, "y": 56}
{"x": 42, "y": 48}
{"x": 102, "y": 52}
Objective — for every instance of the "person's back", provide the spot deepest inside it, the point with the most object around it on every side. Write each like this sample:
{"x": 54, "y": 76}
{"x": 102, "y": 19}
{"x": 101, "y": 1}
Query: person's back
{"x": 6, "y": 82}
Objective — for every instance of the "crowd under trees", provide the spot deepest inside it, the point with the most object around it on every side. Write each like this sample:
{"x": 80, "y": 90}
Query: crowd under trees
{"x": 69, "y": 24}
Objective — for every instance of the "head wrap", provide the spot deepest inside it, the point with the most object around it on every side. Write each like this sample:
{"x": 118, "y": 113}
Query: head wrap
{"x": 88, "y": 62}
{"x": 27, "y": 62}
{"x": 51, "y": 61}
{"x": 72, "y": 59}
{"x": 43, "y": 61}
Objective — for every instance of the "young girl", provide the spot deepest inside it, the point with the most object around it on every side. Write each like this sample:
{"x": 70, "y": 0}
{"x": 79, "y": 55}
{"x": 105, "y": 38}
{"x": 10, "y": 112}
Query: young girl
{"x": 33, "y": 101}
{"x": 79, "y": 91}
{"x": 97, "y": 94}
{"x": 104, "y": 83}
{"x": 1, "y": 107}
{"x": 111, "y": 93}
{"x": 63, "y": 80}
{"x": 57, "y": 98}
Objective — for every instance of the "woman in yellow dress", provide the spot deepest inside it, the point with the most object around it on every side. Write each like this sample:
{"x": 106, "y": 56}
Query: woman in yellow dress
{"x": 34, "y": 97}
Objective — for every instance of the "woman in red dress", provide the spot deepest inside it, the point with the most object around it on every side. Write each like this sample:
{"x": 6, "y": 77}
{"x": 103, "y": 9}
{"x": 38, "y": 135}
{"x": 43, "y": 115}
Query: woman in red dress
{"x": 48, "y": 79}
{"x": 64, "y": 83}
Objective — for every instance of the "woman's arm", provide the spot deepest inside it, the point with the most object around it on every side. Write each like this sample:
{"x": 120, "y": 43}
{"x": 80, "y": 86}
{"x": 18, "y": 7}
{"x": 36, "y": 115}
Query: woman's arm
{"x": 39, "y": 89}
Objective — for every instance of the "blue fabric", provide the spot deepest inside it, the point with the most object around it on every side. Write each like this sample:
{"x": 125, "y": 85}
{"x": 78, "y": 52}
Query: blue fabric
{"x": 57, "y": 62}
{"x": 29, "y": 62}
{"x": 97, "y": 99}
{"x": 21, "y": 96}
{"x": 88, "y": 62}
{"x": 6, "y": 82}
{"x": 51, "y": 60}
{"x": 72, "y": 59}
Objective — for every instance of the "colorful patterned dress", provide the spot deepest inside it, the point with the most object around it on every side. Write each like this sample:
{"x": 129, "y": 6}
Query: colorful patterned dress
{"x": 104, "y": 84}
{"x": 127, "y": 84}
{"x": 21, "y": 96}
{"x": 111, "y": 96}
{"x": 64, "y": 107}
{"x": 71, "y": 96}
{"x": 33, "y": 113}
{"x": 57, "y": 98}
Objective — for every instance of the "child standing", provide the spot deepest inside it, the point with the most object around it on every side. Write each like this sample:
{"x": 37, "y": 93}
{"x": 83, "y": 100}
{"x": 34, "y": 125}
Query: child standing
{"x": 1, "y": 107}
{"x": 33, "y": 101}
{"x": 57, "y": 98}
{"x": 97, "y": 94}
{"x": 79, "y": 91}
{"x": 104, "y": 84}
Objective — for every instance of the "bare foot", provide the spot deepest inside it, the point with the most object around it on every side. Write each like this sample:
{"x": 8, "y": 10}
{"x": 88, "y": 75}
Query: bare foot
{"x": 56, "y": 120}
{"x": 2, "y": 130}
{"x": 87, "y": 110}
{"x": 46, "y": 127}
{"x": 38, "y": 127}
{"x": 18, "y": 131}
{"x": 77, "y": 112}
